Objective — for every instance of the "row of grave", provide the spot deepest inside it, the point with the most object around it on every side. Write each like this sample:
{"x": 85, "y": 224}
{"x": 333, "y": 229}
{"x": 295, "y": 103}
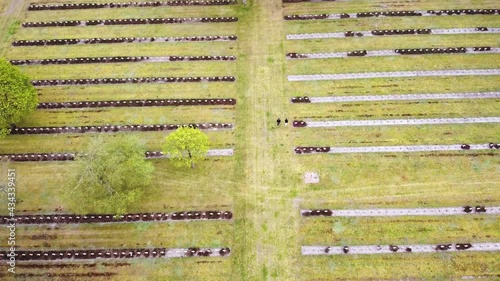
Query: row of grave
{"x": 109, "y": 218}
{"x": 326, "y": 149}
{"x": 390, "y": 249}
{"x": 117, "y": 40}
{"x": 396, "y": 149}
{"x": 329, "y": 213}
{"x": 100, "y": 81}
{"x": 38, "y": 157}
{"x": 135, "y": 103}
{"x": 42, "y": 7}
{"x": 395, "y": 14}
{"x": 306, "y": 99}
{"x": 112, "y": 254}
{"x": 414, "y": 51}
{"x": 420, "y": 31}
{"x": 120, "y": 59}
{"x": 126, "y": 21}
{"x": 388, "y": 122}
{"x": 115, "y": 128}
{"x": 397, "y": 97}
{"x": 393, "y": 248}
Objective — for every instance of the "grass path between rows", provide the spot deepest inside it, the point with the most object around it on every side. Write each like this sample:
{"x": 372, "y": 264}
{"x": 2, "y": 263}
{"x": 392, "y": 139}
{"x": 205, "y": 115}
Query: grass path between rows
{"x": 265, "y": 235}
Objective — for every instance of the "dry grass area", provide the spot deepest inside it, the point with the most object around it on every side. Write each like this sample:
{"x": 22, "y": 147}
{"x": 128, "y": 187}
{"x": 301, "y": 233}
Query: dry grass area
{"x": 262, "y": 183}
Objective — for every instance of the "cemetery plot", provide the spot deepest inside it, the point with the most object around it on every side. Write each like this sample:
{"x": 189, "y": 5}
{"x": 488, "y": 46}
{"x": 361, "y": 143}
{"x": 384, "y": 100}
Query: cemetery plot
{"x": 484, "y": 95}
{"x": 376, "y": 192}
{"x": 66, "y": 54}
{"x": 98, "y": 5}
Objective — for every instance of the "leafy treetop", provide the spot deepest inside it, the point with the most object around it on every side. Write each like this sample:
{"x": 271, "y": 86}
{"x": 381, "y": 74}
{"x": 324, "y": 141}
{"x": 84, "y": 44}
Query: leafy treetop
{"x": 18, "y": 98}
{"x": 186, "y": 146}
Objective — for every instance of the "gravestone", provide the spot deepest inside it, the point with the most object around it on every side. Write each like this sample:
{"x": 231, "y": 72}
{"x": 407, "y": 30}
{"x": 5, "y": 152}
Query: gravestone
{"x": 310, "y": 177}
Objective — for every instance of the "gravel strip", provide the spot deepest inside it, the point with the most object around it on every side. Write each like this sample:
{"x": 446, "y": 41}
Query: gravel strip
{"x": 369, "y": 33}
{"x": 385, "y": 249}
{"x": 390, "y": 122}
{"x": 385, "y": 53}
{"x": 485, "y": 95}
{"x": 406, "y": 148}
{"x": 211, "y": 152}
{"x": 395, "y": 74}
{"x": 409, "y": 212}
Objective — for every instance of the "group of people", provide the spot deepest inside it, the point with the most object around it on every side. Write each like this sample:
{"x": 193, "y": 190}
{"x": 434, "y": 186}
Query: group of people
{"x": 278, "y": 122}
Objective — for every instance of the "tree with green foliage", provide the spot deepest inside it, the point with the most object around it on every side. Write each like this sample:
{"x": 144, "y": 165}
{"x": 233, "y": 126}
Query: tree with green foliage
{"x": 18, "y": 98}
{"x": 186, "y": 146}
{"x": 109, "y": 177}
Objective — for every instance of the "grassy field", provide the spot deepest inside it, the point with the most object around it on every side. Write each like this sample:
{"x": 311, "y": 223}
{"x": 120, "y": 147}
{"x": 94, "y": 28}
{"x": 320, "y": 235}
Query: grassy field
{"x": 262, "y": 183}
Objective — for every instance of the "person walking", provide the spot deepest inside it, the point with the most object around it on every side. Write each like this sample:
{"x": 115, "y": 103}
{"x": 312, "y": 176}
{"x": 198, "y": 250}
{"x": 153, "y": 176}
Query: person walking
{"x": 286, "y": 122}
{"x": 278, "y": 122}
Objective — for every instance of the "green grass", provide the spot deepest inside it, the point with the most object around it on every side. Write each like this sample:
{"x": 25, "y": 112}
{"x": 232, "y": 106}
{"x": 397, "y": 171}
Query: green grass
{"x": 399, "y": 230}
{"x": 125, "y": 235}
{"x": 392, "y": 63}
{"x": 400, "y": 179}
{"x": 126, "y": 70}
{"x": 179, "y": 189}
{"x": 398, "y": 109}
{"x": 155, "y": 30}
{"x": 396, "y": 135}
{"x": 263, "y": 182}
{"x": 132, "y": 115}
{"x": 136, "y": 91}
{"x": 393, "y": 85}
{"x": 442, "y": 266}
{"x": 79, "y": 142}
{"x": 224, "y": 48}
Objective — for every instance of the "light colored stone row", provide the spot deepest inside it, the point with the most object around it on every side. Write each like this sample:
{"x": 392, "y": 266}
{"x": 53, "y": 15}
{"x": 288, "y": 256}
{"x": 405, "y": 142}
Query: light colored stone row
{"x": 355, "y": 15}
{"x": 220, "y": 152}
{"x": 211, "y": 153}
{"x": 395, "y": 74}
{"x": 410, "y": 212}
{"x": 385, "y": 249}
{"x": 385, "y": 53}
{"x": 406, "y": 148}
{"x": 180, "y": 252}
{"x": 366, "y": 33}
{"x": 397, "y": 122}
{"x": 485, "y": 95}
